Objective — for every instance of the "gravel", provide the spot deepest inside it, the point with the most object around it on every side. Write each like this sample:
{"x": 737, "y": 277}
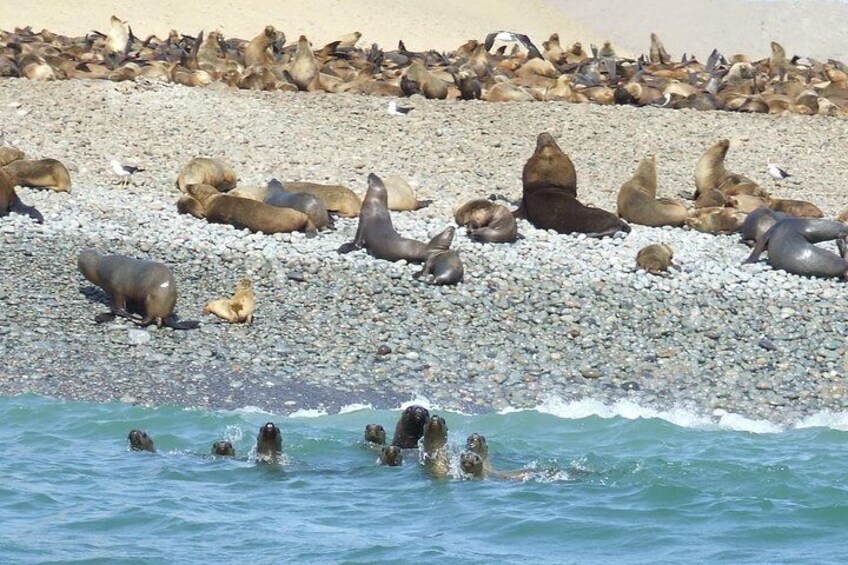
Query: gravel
{"x": 549, "y": 317}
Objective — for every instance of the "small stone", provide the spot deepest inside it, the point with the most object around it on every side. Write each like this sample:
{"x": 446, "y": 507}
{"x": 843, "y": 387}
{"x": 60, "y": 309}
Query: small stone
{"x": 763, "y": 385}
{"x": 630, "y": 386}
{"x": 138, "y": 337}
{"x": 590, "y": 373}
{"x": 384, "y": 350}
{"x": 767, "y": 344}
{"x": 296, "y": 276}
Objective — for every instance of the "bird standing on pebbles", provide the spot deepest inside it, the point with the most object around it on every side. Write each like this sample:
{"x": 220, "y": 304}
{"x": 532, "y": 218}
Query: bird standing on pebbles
{"x": 777, "y": 173}
{"x": 124, "y": 171}
{"x": 395, "y": 110}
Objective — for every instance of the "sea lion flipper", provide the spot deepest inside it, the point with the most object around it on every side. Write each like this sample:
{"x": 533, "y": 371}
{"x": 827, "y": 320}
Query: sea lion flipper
{"x": 757, "y": 251}
{"x": 20, "y": 208}
{"x": 347, "y": 248}
{"x": 104, "y": 317}
{"x": 175, "y": 324}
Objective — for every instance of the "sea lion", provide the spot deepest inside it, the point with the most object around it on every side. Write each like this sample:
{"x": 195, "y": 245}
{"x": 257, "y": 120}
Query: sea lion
{"x": 401, "y": 197}
{"x": 711, "y": 173}
{"x": 223, "y": 448}
{"x": 336, "y": 198}
{"x": 140, "y": 441}
{"x": 305, "y": 202}
{"x": 549, "y": 167}
{"x": 304, "y": 68}
{"x": 713, "y": 198}
{"x": 40, "y": 173}
{"x": 376, "y": 233}
{"x": 375, "y": 433}
{"x": 9, "y": 154}
{"x": 744, "y": 202}
{"x": 258, "y": 50}
{"x": 655, "y": 258}
{"x": 486, "y": 221}
{"x": 391, "y": 456}
{"x": 269, "y": 443}
{"x": 843, "y": 216}
{"x": 134, "y": 285}
{"x": 9, "y": 201}
{"x": 237, "y": 309}
{"x": 796, "y": 208}
{"x": 243, "y": 213}
{"x": 410, "y": 426}
{"x": 716, "y": 220}
{"x": 758, "y": 222}
{"x": 434, "y": 447}
{"x": 203, "y": 170}
{"x": 442, "y": 262}
{"x": 638, "y": 202}
{"x": 790, "y": 247}
{"x": 472, "y": 464}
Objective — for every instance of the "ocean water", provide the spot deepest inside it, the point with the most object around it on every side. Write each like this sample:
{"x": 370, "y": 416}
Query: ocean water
{"x": 608, "y": 484}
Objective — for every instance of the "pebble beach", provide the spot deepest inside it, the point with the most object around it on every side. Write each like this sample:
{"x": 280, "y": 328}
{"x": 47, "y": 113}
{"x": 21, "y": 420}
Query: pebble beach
{"x": 549, "y": 317}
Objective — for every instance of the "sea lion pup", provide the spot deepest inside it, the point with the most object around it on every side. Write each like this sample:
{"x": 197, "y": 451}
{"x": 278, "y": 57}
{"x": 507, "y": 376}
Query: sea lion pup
{"x": 304, "y": 68}
{"x": 376, "y": 434}
{"x": 269, "y": 444}
{"x": 202, "y": 170}
{"x": 40, "y": 173}
{"x": 442, "y": 262}
{"x": 336, "y": 198}
{"x": 790, "y": 247}
{"x": 638, "y": 202}
{"x": 472, "y": 464}
{"x": 655, "y": 258}
{"x": 487, "y": 222}
{"x": 9, "y": 201}
{"x": 434, "y": 447}
{"x": 223, "y": 448}
{"x": 410, "y": 426}
{"x": 711, "y": 173}
{"x": 797, "y": 208}
{"x": 376, "y": 233}
{"x": 134, "y": 285}
{"x": 243, "y": 213}
{"x": 391, "y": 456}
{"x": 140, "y": 441}
{"x": 237, "y": 309}
{"x": 9, "y": 154}
{"x": 401, "y": 197}
{"x": 716, "y": 220}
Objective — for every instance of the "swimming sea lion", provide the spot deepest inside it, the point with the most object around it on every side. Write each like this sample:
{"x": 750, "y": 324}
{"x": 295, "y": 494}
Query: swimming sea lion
{"x": 40, "y": 173}
{"x": 472, "y": 464}
{"x": 638, "y": 202}
{"x": 243, "y": 213}
{"x": 9, "y": 200}
{"x": 655, "y": 258}
{"x": 410, "y": 426}
{"x": 375, "y": 433}
{"x": 711, "y": 173}
{"x": 140, "y": 441}
{"x": 790, "y": 247}
{"x": 336, "y": 198}
{"x": 401, "y": 197}
{"x": 9, "y": 154}
{"x": 486, "y": 221}
{"x": 237, "y": 309}
{"x": 391, "y": 456}
{"x": 223, "y": 448}
{"x": 203, "y": 170}
{"x": 434, "y": 447}
{"x": 269, "y": 443}
{"x": 134, "y": 285}
{"x": 442, "y": 262}
{"x": 376, "y": 233}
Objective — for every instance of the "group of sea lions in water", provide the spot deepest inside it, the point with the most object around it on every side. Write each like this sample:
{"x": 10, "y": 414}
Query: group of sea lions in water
{"x": 776, "y": 84}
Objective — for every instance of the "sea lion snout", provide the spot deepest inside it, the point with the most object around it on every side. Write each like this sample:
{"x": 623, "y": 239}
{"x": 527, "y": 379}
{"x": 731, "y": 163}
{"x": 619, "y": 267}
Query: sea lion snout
{"x": 270, "y": 431}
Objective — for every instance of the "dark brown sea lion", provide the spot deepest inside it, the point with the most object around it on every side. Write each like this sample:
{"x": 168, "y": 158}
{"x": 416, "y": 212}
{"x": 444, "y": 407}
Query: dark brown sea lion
{"x": 758, "y": 222}
{"x": 434, "y": 447}
{"x": 203, "y": 170}
{"x": 375, "y": 433}
{"x": 134, "y": 285}
{"x": 549, "y": 167}
{"x": 391, "y": 456}
{"x": 410, "y": 426}
{"x": 486, "y": 221}
{"x": 243, "y": 213}
{"x": 442, "y": 263}
{"x": 790, "y": 247}
{"x": 238, "y": 309}
{"x": 140, "y": 441}
{"x": 336, "y": 198}
{"x": 223, "y": 448}
{"x": 655, "y": 258}
{"x": 40, "y": 173}
{"x": 638, "y": 202}
{"x": 376, "y": 233}
{"x": 9, "y": 154}
{"x": 269, "y": 443}
{"x": 9, "y": 201}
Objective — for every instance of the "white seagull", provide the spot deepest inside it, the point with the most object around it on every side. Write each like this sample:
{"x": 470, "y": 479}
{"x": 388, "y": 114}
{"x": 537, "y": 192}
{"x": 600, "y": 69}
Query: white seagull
{"x": 395, "y": 110}
{"x": 776, "y": 172}
{"x": 124, "y": 171}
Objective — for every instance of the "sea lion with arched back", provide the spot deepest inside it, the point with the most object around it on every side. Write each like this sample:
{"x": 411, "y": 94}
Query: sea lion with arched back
{"x": 790, "y": 245}
{"x": 203, "y": 170}
{"x": 410, "y": 426}
{"x": 375, "y": 231}
{"x": 487, "y": 222}
{"x": 638, "y": 202}
{"x": 710, "y": 173}
{"x": 144, "y": 287}
{"x": 40, "y": 173}
{"x": 442, "y": 263}
{"x": 9, "y": 201}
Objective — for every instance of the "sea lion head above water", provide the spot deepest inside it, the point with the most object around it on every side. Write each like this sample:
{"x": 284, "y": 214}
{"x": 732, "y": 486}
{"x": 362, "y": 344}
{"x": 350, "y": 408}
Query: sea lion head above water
{"x": 269, "y": 442}
{"x": 410, "y": 426}
{"x": 140, "y": 441}
{"x": 472, "y": 464}
{"x": 223, "y": 448}
{"x": 375, "y": 433}
{"x": 391, "y": 456}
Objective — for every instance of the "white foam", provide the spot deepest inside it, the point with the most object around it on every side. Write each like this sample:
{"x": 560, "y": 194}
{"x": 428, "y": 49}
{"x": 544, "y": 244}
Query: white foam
{"x": 308, "y": 413}
{"x": 825, "y": 419}
{"x": 355, "y": 407}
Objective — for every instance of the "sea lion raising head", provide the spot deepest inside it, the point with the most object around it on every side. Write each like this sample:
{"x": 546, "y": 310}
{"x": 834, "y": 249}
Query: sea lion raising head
{"x": 410, "y": 426}
{"x": 434, "y": 446}
{"x": 638, "y": 202}
{"x": 442, "y": 262}
{"x": 269, "y": 443}
{"x": 140, "y": 441}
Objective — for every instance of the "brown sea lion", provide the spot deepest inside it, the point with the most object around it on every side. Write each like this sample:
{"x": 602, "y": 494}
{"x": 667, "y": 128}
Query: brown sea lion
{"x": 375, "y": 433}
{"x": 305, "y": 202}
{"x": 472, "y": 464}
{"x": 304, "y": 68}
{"x": 638, "y": 202}
{"x": 797, "y": 208}
{"x": 239, "y": 308}
{"x": 710, "y": 172}
{"x": 134, "y": 285}
{"x": 715, "y": 220}
{"x": 203, "y": 170}
{"x": 9, "y": 201}
{"x": 712, "y": 198}
{"x": 9, "y": 154}
{"x": 655, "y": 258}
{"x": 549, "y": 167}
{"x": 744, "y": 202}
{"x": 790, "y": 244}
{"x": 258, "y": 51}
{"x": 487, "y": 222}
{"x": 40, "y": 173}
{"x": 410, "y": 426}
{"x": 442, "y": 263}
{"x": 223, "y": 448}
{"x": 843, "y": 216}
{"x": 434, "y": 447}
{"x": 391, "y": 456}
{"x": 269, "y": 444}
{"x": 140, "y": 441}
{"x": 376, "y": 233}
{"x": 336, "y": 198}
{"x": 401, "y": 196}
{"x": 243, "y": 213}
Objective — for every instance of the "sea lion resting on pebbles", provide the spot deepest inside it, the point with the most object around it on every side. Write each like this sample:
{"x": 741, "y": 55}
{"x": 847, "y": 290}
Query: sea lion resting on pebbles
{"x": 655, "y": 258}
{"x": 638, "y": 202}
{"x": 41, "y": 173}
{"x": 336, "y": 198}
{"x": 715, "y": 220}
{"x": 790, "y": 247}
{"x": 487, "y": 222}
{"x": 710, "y": 173}
{"x": 237, "y": 309}
{"x": 9, "y": 201}
{"x": 758, "y": 222}
{"x": 203, "y": 170}
{"x": 140, "y": 441}
{"x": 410, "y": 426}
{"x": 269, "y": 444}
{"x": 401, "y": 197}
{"x": 376, "y": 233}
{"x": 442, "y": 262}
{"x": 434, "y": 447}
{"x": 134, "y": 285}
{"x": 9, "y": 154}
{"x": 274, "y": 194}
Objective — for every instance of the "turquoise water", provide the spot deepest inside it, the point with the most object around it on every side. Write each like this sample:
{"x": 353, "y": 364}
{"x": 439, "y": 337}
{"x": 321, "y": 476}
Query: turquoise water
{"x": 610, "y": 489}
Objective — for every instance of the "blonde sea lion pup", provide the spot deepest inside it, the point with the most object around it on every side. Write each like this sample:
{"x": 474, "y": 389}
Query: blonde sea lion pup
{"x": 239, "y": 308}
{"x": 41, "y": 173}
{"x": 118, "y": 36}
{"x": 716, "y": 220}
{"x": 9, "y": 154}
{"x": 442, "y": 263}
{"x": 401, "y": 196}
{"x": 711, "y": 173}
{"x": 655, "y": 258}
{"x": 304, "y": 68}
{"x": 637, "y": 201}
{"x": 203, "y": 170}
{"x": 258, "y": 51}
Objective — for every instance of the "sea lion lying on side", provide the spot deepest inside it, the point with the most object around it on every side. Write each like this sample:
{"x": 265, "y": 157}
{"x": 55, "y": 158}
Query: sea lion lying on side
{"x": 237, "y": 309}
{"x": 203, "y": 170}
{"x": 401, "y": 197}
{"x": 336, "y": 198}
{"x": 790, "y": 244}
{"x": 442, "y": 262}
{"x": 487, "y": 222}
{"x": 274, "y": 194}
{"x": 40, "y": 173}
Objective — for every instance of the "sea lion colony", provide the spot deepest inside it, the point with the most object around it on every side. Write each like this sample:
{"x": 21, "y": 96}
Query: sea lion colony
{"x": 520, "y": 72}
